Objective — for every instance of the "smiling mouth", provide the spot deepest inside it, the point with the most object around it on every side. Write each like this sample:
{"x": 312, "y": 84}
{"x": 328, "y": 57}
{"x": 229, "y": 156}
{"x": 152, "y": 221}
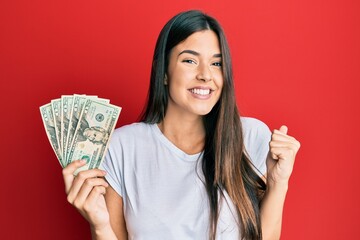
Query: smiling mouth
{"x": 202, "y": 92}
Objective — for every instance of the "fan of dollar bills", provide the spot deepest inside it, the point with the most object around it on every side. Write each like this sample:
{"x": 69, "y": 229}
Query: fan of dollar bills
{"x": 79, "y": 127}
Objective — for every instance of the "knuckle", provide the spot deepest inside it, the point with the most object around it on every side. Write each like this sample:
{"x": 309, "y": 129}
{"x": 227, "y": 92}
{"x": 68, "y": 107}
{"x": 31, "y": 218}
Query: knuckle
{"x": 87, "y": 207}
{"x": 99, "y": 172}
{"x": 77, "y": 204}
{"x": 65, "y": 171}
{"x": 295, "y": 147}
{"x": 89, "y": 182}
{"x": 70, "y": 199}
{"x": 273, "y": 136}
{"x": 99, "y": 189}
{"x": 81, "y": 175}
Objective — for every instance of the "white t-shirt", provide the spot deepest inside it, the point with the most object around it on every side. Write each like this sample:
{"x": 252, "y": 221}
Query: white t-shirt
{"x": 162, "y": 193}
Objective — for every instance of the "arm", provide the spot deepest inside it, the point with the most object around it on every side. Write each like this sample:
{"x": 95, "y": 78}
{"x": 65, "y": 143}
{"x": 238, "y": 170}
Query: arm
{"x": 116, "y": 229}
{"x": 271, "y": 210}
{"x": 114, "y": 204}
{"x": 280, "y": 162}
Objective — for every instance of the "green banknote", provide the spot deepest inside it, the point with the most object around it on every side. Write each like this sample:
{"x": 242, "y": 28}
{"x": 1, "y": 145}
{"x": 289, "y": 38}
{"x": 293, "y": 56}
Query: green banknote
{"x": 77, "y": 107}
{"x": 66, "y": 107}
{"x": 49, "y": 124}
{"x": 78, "y": 104}
{"x": 79, "y": 127}
{"x": 91, "y": 138}
{"x": 56, "y": 109}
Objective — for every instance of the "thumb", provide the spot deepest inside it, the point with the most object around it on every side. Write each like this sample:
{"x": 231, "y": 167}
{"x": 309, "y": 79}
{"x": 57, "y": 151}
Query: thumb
{"x": 283, "y": 129}
{"x": 68, "y": 173}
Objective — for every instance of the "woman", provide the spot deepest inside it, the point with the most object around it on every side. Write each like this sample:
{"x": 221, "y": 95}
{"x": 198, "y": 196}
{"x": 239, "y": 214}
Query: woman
{"x": 192, "y": 169}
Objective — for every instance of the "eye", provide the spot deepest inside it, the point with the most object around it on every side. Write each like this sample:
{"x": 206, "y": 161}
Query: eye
{"x": 189, "y": 61}
{"x": 217, "y": 64}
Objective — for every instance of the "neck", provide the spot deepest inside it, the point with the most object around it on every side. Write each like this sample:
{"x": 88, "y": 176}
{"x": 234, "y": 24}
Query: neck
{"x": 185, "y": 132}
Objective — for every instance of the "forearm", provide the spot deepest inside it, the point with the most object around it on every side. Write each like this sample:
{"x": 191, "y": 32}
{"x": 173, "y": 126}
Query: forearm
{"x": 271, "y": 211}
{"x": 105, "y": 233}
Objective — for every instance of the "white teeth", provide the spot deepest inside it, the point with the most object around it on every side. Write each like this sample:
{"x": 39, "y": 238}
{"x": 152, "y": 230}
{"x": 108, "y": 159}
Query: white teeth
{"x": 200, "y": 91}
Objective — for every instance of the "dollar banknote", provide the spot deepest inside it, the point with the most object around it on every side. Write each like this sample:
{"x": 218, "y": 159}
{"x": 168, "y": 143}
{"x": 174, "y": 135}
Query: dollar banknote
{"x": 78, "y": 104}
{"x": 66, "y": 106}
{"x": 79, "y": 127}
{"x": 95, "y": 126}
{"x": 49, "y": 124}
{"x": 56, "y": 109}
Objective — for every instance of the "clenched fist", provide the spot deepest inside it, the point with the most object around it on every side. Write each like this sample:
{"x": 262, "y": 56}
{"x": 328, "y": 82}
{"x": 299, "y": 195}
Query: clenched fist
{"x": 281, "y": 157}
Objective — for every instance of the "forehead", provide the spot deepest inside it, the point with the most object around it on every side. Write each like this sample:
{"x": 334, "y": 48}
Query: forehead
{"x": 205, "y": 41}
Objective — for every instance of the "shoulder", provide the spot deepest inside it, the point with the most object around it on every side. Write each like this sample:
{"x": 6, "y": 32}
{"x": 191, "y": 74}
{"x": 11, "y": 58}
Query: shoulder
{"x": 131, "y": 135}
{"x": 124, "y": 144}
{"x": 131, "y": 130}
{"x": 255, "y": 131}
{"x": 254, "y": 126}
{"x": 256, "y": 135}
{"x": 133, "y": 127}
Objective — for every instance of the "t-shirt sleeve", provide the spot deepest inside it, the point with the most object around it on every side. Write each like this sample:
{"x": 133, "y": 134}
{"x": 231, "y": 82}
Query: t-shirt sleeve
{"x": 257, "y": 136}
{"x": 113, "y": 164}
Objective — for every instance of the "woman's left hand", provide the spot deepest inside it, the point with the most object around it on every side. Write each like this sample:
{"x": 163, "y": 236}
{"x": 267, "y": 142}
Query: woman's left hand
{"x": 281, "y": 157}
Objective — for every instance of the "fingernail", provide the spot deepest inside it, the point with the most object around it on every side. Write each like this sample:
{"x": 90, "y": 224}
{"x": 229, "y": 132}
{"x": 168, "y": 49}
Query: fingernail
{"x": 82, "y": 161}
{"x": 104, "y": 172}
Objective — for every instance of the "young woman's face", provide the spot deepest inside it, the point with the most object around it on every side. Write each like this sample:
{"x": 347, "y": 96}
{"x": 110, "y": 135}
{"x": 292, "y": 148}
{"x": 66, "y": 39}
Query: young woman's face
{"x": 194, "y": 74}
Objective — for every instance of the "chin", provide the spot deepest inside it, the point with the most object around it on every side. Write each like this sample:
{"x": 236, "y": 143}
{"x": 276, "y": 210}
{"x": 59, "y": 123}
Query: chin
{"x": 203, "y": 112}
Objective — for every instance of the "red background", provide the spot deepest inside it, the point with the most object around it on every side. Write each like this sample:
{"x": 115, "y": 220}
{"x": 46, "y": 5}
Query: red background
{"x": 295, "y": 62}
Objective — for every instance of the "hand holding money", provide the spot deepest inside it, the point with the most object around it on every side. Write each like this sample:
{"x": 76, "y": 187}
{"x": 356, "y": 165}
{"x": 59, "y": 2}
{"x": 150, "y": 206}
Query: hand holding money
{"x": 79, "y": 127}
{"x": 86, "y": 193}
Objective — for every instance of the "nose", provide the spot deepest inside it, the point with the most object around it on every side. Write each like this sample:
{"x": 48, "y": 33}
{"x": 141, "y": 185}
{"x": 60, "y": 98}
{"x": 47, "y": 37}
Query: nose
{"x": 204, "y": 73}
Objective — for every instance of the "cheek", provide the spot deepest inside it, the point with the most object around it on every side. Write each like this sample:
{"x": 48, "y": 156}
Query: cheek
{"x": 181, "y": 74}
{"x": 175, "y": 90}
{"x": 180, "y": 82}
{"x": 219, "y": 82}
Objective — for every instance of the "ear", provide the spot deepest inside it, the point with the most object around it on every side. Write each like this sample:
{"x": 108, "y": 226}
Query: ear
{"x": 165, "y": 80}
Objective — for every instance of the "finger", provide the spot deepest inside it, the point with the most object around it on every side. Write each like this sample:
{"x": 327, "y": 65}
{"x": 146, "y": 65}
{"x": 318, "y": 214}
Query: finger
{"x": 277, "y": 139}
{"x": 284, "y": 129}
{"x": 280, "y": 136}
{"x": 95, "y": 194}
{"x": 80, "y": 179}
{"x": 68, "y": 173}
{"x": 273, "y": 156}
{"x": 86, "y": 188}
{"x": 284, "y": 144}
{"x": 283, "y": 153}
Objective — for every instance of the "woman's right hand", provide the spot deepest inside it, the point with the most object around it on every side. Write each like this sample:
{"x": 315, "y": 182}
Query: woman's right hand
{"x": 86, "y": 193}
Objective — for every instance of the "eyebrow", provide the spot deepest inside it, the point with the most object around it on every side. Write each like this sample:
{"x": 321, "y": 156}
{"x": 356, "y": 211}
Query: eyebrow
{"x": 217, "y": 55}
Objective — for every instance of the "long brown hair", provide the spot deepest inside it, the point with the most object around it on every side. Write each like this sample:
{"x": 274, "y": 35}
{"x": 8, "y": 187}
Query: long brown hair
{"x": 225, "y": 164}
